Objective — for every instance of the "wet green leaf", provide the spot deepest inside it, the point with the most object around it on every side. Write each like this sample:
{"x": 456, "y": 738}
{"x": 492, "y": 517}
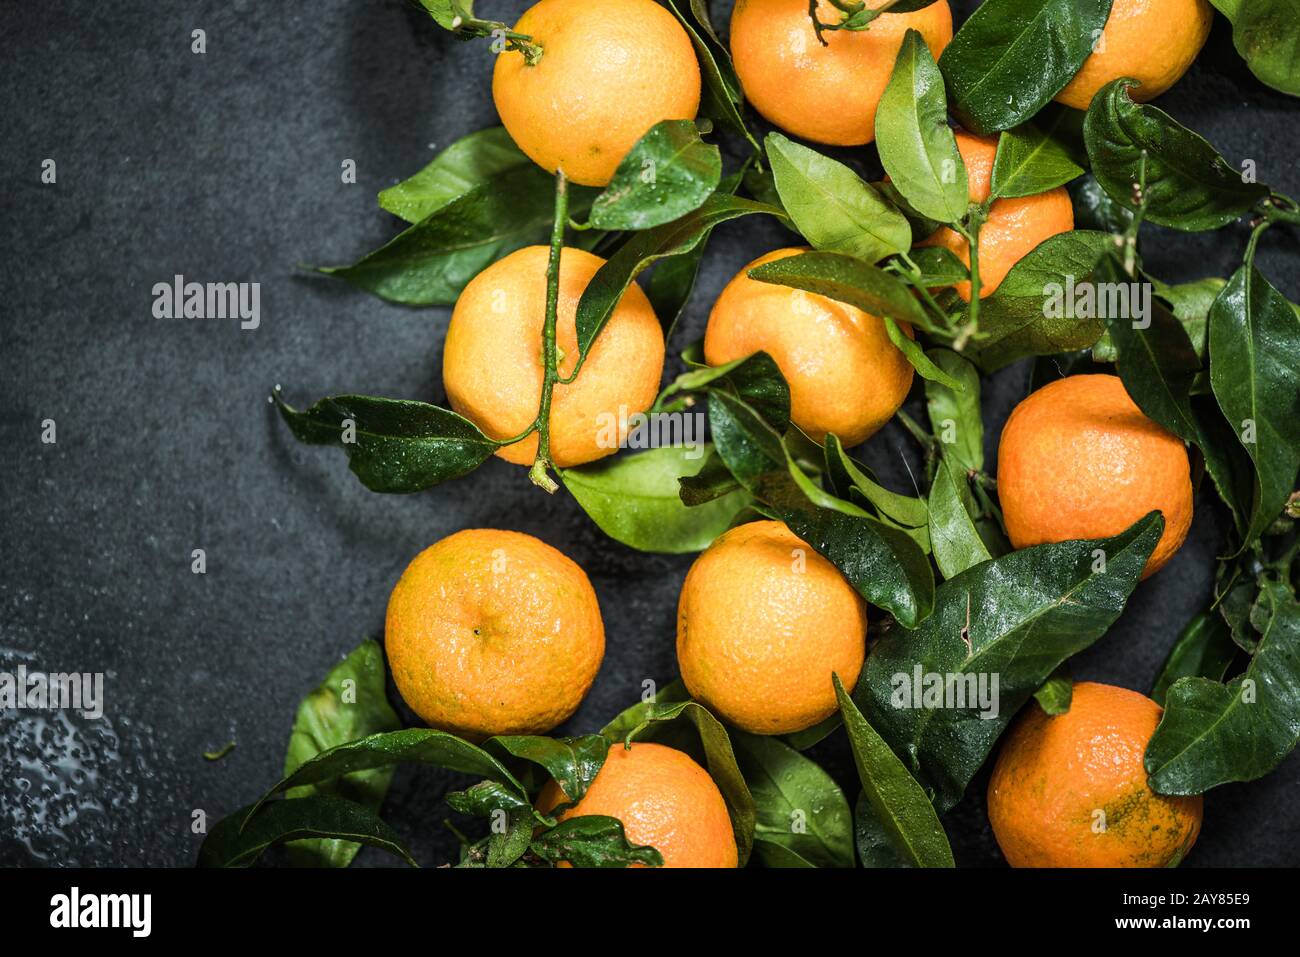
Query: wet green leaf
{"x": 1012, "y": 56}
{"x": 592, "y": 840}
{"x": 393, "y": 445}
{"x": 1189, "y": 186}
{"x": 1254, "y": 337}
{"x": 668, "y": 173}
{"x": 1016, "y": 618}
{"x": 900, "y": 804}
{"x": 239, "y": 840}
{"x": 1029, "y": 161}
{"x": 350, "y": 703}
{"x": 1214, "y": 733}
{"x": 800, "y": 809}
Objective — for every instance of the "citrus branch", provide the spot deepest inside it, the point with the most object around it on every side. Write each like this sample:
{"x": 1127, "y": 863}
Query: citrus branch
{"x": 550, "y": 374}
{"x": 970, "y": 229}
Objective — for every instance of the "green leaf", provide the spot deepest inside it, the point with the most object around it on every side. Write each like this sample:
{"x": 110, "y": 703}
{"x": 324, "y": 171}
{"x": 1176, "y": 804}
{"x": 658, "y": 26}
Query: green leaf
{"x": 832, "y": 206}
{"x": 1191, "y": 303}
{"x": 721, "y": 97}
{"x": 1023, "y": 614}
{"x": 756, "y": 378}
{"x": 572, "y": 762}
{"x": 917, "y": 147}
{"x": 875, "y": 849}
{"x": 668, "y": 173}
{"x": 349, "y": 704}
{"x": 605, "y": 291}
{"x": 845, "y": 279}
{"x": 718, "y": 756}
{"x": 636, "y": 500}
{"x": 1094, "y": 209}
{"x": 461, "y": 168}
{"x": 429, "y": 263}
{"x": 238, "y": 841}
{"x": 883, "y": 563}
{"x": 633, "y": 717}
{"x": 955, "y": 414}
{"x": 709, "y": 484}
{"x": 800, "y": 809}
{"x": 412, "y": 745}
{"x": 1254, "y": 337}
{"x": 396, "y": 445}
{"x": 486, "y": 798}
{"x": 938, "y": 267}
{"x": 1265, "y": 33}
{"x": 592, "y": 840}
{"x": 1012, "y": 56}
{"x": 1016, "y": 320}
{"x": 899, "y": 803}
{"x": 848, "y": 477}
{"x": 1189, "y": 186}
{"x": 1214, "y": 733}
{"x": 956, "y": 544}
{"x": 1204, "y": 649}
{"x": 1029, "y": 162}
{"x": 444, "y": 13}
{"x": 1057, "y": 692}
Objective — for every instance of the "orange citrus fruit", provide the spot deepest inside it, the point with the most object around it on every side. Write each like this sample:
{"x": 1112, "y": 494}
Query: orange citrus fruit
{"x": 845, "y": 376}
{"x": 607, "y": 73}
{"x": 492, "y": 363}
{"x": 493, "y": 632}
{"x": 762, "y": 622}
{"x": 1078, "y": 459}
{"x": 1014, "y": 226}
{"x": 827, "y": 94}
{"x": 1070, "y": 790}
{"x": 665, "y": 801}
{"x": 1152, "y": 41}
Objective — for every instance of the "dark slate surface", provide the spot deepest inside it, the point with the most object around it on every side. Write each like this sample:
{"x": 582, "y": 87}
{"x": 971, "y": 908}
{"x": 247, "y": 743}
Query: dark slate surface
{"x": 225, "y": 167}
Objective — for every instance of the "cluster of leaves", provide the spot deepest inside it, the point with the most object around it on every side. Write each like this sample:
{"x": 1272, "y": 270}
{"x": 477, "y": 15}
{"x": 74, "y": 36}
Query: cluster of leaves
{"x": 1218, "y": 365}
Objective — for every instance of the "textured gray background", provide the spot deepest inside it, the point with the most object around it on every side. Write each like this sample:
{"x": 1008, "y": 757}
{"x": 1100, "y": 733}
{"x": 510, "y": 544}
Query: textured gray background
{"x": 225, "y": 167}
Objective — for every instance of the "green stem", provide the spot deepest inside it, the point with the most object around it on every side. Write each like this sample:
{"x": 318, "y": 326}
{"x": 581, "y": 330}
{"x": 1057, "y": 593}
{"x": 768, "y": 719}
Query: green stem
{"x": 1249, "y": 259}
{"x": 1130, "y": 238}
{"x": 854, "y": 15}
{"x": 550, "y": 372}
{"x": 971, "y": 230}
{"x": 914, "y": 274}
{"x": 1281, "y": 209}
{"x": 465, "y": 24}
